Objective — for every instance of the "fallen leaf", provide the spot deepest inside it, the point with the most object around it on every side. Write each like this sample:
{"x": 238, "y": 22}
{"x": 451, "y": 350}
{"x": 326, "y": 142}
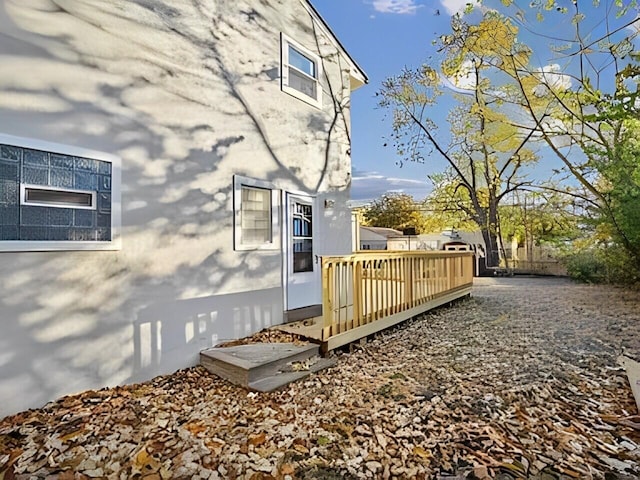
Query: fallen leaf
{"x": 257, "y": 439}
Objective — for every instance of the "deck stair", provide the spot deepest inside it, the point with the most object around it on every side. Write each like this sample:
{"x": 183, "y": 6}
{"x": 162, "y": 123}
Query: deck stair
{"x": 264, "y": 367}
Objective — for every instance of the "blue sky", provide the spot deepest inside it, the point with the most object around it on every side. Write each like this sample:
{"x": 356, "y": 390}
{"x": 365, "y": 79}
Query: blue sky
{"x": 386, "y": 35}
{"x": 383, "y": 37}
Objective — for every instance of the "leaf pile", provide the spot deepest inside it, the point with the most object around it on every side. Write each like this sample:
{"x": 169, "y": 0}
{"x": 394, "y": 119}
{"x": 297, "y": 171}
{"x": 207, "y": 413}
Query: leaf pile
{"x": 518, "y": 382}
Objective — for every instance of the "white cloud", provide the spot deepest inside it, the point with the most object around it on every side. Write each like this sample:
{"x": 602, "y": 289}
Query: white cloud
{"x": 557, "y": 130}
{"x": 551, "y": 76}
{"x": 402, "y": 7}
{"x": 454, "y": 6}
{"x": 370, "y": 185}
{"x": 634, "y": 27}
{"x": 465, "y": 77}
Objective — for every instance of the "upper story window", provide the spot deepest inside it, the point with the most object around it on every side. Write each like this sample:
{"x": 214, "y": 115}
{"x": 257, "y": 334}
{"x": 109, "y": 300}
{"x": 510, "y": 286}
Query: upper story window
{"x": 57, "y": 197}
{"x": 301, "y": 72}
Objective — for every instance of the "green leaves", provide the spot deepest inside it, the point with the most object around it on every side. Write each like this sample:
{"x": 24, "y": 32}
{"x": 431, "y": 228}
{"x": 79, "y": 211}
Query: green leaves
{"x": 577, "y": 18}
{"x": 503, "y": 107}
{"x": 397, "y": 210}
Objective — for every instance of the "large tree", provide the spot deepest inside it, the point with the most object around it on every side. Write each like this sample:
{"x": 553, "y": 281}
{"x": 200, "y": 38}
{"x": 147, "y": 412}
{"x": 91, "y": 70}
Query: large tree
{"x": 395, "y": 210}
{"x": 447, "y": 206}
{"x": 580, "y": 102}
{"x": 586, "y": 110}
{"x": 486, "y": 152}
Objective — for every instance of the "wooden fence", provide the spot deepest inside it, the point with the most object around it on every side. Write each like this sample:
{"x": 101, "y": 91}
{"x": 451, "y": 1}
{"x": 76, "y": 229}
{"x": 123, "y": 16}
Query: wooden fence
{"x": 367, "y": 292}
{"x": 538, "y": 267}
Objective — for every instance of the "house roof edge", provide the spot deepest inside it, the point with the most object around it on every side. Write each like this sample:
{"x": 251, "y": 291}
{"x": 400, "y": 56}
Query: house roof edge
{"x": 323, "y": 22}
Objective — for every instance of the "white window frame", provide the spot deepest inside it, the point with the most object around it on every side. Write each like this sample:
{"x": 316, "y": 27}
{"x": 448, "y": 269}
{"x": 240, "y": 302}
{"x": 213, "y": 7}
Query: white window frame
{"x": 239, "y": 182}
{"x": 285, "y": 42}
{"x": 68, "y": 245}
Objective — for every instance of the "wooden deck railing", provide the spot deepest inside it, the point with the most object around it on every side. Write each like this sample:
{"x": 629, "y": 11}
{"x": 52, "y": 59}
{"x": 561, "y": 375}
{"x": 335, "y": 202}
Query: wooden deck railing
{"x": 366, "y": 292}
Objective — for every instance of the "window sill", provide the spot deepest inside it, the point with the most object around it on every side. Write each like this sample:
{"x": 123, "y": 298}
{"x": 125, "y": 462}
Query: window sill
{"x": 58, "y": 246}
{"x": 265, "y": 247}
{"x": 317, "y": 103}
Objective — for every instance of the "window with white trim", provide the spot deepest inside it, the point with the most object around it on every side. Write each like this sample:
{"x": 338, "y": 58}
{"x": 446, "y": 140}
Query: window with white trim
{"x": 57, "y": 197}
{"x": 256, "y": 210}
{"x": 301, "y": 71}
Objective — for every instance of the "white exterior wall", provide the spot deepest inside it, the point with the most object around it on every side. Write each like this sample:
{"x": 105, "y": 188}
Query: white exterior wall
{"x": 187, "y": 94}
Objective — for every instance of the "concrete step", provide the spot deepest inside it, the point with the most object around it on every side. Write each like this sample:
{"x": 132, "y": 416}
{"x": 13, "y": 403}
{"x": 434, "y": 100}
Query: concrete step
{"x": 279, "y": 380}
{"x": 247, "y": 364}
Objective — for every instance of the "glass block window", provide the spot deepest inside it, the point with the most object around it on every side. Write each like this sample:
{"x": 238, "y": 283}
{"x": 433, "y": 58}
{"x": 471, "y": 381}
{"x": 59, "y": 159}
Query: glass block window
{"x": 48, "y": 196}
{"x": 301, "y": 72}
{"x": 256, "y": 211}
{"x": 255, "y": 214}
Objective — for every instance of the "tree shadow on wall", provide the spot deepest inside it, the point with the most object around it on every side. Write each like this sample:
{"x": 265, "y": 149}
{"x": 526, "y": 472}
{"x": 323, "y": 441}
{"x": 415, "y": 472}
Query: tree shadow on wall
{"x": 173, "y": 95}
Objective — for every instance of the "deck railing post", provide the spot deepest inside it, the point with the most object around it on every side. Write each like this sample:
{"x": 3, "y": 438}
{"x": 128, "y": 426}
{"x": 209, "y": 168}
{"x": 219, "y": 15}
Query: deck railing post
{"x": 327, "y": 306}
{"x": 357, "y": 291}
{"x": 409, "y": 282}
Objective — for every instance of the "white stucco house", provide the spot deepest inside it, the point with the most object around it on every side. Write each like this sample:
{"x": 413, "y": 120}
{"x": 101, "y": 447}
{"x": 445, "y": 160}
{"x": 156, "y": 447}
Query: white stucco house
{"x": 169, "y": 174}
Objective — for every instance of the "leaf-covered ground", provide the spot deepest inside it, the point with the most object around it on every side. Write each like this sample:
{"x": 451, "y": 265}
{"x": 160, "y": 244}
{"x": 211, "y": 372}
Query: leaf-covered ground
{"x": 520, "y": 381}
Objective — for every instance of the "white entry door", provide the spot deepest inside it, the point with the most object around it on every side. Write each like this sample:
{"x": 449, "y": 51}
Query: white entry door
{"x": 302, "y": 271}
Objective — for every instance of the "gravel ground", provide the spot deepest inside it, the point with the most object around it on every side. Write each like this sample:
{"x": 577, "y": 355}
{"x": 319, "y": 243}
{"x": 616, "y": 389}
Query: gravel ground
{"x": 520, "y": 381}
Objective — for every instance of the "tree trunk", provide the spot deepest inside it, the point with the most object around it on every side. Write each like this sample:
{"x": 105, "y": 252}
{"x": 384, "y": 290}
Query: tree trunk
{"x": 487, "y": 221}
{"x": 491, "y": 244}
{"x": 491, "y": 232}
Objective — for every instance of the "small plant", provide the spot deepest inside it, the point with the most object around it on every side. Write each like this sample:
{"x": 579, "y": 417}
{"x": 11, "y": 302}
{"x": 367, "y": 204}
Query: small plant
{"x": 385, "y": 390}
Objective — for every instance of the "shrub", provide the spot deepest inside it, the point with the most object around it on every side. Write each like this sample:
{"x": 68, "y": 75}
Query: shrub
{"x": 601, "y": 264}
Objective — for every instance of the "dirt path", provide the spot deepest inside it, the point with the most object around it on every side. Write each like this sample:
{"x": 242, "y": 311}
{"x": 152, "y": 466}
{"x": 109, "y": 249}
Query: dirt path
{"x": 520, "y": 381}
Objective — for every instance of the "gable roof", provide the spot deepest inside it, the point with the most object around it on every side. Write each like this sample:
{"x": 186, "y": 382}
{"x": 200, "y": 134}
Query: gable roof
{"x": 383, "y": 231}
{"x": 358, "y": 76}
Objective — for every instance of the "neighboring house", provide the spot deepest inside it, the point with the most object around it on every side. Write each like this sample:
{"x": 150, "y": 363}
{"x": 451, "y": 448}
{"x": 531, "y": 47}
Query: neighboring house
{"x": 375, "y": 238}
{"x": 381, "y": 238}
{"x": 169, "y": 174}
{"x": 452, "y": 240}
{"x": 456, "y": 241}
{"x": 403, "y": 242}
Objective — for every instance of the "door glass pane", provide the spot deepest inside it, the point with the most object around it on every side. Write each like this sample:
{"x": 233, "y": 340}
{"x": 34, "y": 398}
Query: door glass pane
{"x": 301, "y": 233}
{"x": 302, "y": 255}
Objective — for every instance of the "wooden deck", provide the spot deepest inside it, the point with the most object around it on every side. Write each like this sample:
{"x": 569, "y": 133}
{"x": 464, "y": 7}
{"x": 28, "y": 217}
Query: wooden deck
{"x": 364, "y": 293}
